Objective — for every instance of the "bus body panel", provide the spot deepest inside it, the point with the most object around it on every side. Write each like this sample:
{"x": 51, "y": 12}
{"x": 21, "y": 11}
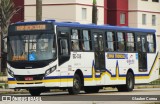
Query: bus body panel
{"x": 117, "y": 65}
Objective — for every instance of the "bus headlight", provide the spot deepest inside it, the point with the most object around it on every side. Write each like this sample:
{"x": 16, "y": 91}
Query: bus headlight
{"x": 49, "y": 71}
{"x": 10, "y": 72}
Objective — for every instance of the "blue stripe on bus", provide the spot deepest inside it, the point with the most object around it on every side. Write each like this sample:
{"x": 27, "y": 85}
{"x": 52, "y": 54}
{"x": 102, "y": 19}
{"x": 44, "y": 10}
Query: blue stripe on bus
{"x": 88, "y": 76}
{"x": 57, "y": 77}
{"x": 11, "y": 79}
{"x": 140, "y": 75}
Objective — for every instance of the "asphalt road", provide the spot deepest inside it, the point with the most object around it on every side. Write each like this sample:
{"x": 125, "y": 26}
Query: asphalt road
{"x": 138, "y": 96}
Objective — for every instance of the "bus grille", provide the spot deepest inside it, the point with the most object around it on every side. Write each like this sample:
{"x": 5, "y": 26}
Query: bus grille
{"x": 35, "y": 77}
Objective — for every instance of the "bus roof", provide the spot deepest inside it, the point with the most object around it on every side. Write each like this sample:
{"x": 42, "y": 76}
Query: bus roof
{"x": 108, "y": 27}
{"x": 89, "y": 26}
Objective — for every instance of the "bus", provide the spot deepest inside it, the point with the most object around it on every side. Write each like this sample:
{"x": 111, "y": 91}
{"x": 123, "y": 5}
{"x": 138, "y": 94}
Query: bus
{"x": 44, "y": 55}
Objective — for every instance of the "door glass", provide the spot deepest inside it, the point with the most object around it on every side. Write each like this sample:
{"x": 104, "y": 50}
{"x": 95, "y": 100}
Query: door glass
{"x": 99, "y": 52}
{"x": 139, "y": 44}
{"x": 143, "y": 44}
{"x": 96, "y": 51}
{"x": 142, "y": 55}
{"x": 101, "y": 44}
{"x": 96, "y": 41}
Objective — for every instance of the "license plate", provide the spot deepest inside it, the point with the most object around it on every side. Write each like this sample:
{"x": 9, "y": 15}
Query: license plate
{"x": 28, "y": 78}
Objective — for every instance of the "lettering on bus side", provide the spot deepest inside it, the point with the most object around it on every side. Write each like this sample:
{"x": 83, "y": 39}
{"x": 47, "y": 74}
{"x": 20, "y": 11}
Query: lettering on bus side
{"x": 76, "y": 56}
{"x": 117, "y": 56}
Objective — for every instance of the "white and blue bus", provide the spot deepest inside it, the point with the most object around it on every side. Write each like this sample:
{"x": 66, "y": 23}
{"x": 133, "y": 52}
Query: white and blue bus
{"x": 44, "y": 55}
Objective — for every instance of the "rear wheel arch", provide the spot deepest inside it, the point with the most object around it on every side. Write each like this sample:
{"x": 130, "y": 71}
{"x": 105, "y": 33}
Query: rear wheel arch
{"x": 131, "y": 71}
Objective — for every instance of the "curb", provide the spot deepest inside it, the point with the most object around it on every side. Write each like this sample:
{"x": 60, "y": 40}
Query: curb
{"x": 23, "y": 91}
{"x": 146, "y": 86}
{"x": 135, "y": 87}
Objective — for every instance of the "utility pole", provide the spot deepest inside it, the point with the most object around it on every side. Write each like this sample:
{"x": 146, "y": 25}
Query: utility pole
{"x": 0, "y": 38}
{"x": 94, "y": 12}
{"x": 38, "y": 10}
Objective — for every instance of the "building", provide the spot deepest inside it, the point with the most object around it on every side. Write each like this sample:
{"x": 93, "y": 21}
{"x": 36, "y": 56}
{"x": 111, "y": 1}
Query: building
{"x": 145, "y": 14}
{"x": 117, "y": 12}
{"x": 19, "y": 16}
{"x": 65, "y": 10}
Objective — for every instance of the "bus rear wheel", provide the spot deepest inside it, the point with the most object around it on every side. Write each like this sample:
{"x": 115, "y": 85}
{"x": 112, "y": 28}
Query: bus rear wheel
{"x": 35, "y": 92}
{"x": 129, "y": 86}
{"x": 76, "y": 85}
{"x": 92, "y": 89}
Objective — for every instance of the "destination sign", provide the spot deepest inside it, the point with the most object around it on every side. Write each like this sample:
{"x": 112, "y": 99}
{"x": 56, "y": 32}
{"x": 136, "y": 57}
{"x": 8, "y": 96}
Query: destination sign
{"x": 31, "y": 27}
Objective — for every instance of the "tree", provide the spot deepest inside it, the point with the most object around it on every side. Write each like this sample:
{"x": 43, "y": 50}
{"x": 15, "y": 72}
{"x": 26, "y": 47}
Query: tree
{"x": 94, "y": 12}
{"x": 38, "y": 10}
{"x": 7, "y": 11}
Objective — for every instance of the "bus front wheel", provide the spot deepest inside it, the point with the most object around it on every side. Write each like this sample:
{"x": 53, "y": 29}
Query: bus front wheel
{"x": 129, "y": 86}
{"x": 76, "y": 85}
{"x": 35, "y": 92}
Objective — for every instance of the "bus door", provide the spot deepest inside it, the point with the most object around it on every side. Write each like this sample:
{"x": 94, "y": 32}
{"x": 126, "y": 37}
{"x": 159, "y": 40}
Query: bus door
{"x": 99, "y": 51}
{"x": 63, "y": 52}
{"x": 142, "y": 52}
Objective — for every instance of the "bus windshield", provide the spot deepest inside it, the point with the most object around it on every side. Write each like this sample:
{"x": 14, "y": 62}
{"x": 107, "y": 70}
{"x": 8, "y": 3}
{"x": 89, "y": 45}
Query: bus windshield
{"x": 33, "y": 47}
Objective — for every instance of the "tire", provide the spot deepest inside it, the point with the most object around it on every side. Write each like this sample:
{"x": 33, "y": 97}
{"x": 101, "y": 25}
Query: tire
{"x": 129, "y": 86}
{"x": 35, "y": 92}
{"x": 76, "y": 85}
{"x": 92, "y": 89}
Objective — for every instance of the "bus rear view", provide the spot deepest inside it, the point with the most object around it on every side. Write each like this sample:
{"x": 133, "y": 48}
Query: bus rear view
{"x": 31, "y": 54}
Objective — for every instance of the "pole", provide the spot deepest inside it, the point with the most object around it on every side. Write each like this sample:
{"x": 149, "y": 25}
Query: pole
{"x": 0, "y": 37}
{"x": 38, "y": 10}
{"x": 94, "y": 12}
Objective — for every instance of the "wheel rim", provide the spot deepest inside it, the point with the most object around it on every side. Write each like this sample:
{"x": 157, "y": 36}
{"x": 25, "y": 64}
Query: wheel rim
{"x": 130, "y": 82}
{"x": 76, "y": 84}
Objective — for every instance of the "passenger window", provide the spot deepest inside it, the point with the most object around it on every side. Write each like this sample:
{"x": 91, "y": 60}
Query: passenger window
{"x": 150, "y": 43}
{"x": 86, "y": 41}
{"x": 130, "y": 40}
{"x": 75, "y": 42}
{"x": 110, "y": 41}
{"x": 120, "y": 39}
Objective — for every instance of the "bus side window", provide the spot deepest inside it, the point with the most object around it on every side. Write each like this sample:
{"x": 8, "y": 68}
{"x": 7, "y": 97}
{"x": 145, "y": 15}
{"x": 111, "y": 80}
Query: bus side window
{"x": 150, "y": 43}
{"x": 75, "y": 42}
{"x": 120, "y": 40}
{"x": 86, "y": 41}
{"x": 130, "y": 42}
{"x": 110, "y": 41}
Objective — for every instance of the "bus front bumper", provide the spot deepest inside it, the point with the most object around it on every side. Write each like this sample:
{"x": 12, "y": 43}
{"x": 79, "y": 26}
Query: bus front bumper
{"x": 30, "y": 84}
